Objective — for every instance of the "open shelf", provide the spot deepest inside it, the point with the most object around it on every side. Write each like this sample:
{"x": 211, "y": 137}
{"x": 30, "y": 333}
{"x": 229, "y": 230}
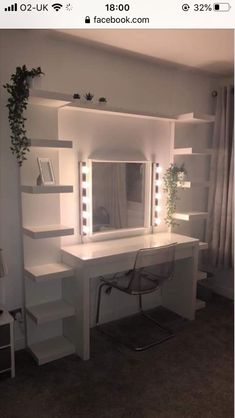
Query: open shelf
{"x": 50, "y": 311}
{"x": 49, "y": 98}
{"x": 188, "y": 216}
{"x": 62, "y": 100}
{"x": 195, "y": 118}
{"x": 191, "y": 184}
{"x": 192, "y": 151}
{"x": 47, "y": 189}
{"x": 51, "y": 349}
{"x": 200, "y": 304}
{"x": 47, "y": 231}
{"x": 203, "y": 246}
{"x": 51, "y": 143}
{"x": 201, "y": 275}
{"x": 109, "y": 110}
{"x": 48, "y": 272}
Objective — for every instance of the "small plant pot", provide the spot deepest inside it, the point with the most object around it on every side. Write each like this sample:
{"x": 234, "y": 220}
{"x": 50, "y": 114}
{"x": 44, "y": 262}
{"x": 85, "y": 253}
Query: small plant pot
{"x": 102, "y": 102}
{"x": 34, "y": 82}
{"x": 181, "y": 176}
{"x": 76, "y": 96}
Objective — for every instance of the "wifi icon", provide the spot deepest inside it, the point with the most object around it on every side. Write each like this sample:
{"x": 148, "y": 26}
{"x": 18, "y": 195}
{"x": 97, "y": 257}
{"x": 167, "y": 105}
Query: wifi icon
{"x": 57, "y": 6}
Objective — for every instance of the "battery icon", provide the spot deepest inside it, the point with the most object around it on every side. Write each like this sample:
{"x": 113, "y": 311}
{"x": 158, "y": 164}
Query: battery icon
{"x": 221, "y": 7}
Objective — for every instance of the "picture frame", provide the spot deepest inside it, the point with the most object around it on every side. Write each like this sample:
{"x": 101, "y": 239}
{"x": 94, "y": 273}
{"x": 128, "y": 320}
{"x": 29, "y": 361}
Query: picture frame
{"x": 46, "y": 171}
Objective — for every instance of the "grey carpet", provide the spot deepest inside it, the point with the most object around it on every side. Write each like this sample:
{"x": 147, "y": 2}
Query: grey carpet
{"x": 190, "y": 375}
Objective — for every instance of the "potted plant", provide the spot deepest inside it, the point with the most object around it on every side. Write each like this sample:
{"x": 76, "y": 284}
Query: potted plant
{"x": 89, "y": 97}
{"x": 18, "y": 88}
{"x": 171, "y": 178}
{"x": 102, "y": 100}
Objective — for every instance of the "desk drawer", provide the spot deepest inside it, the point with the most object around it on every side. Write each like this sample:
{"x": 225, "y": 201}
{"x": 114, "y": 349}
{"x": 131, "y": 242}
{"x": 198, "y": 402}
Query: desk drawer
{"x": 5, "y": 335}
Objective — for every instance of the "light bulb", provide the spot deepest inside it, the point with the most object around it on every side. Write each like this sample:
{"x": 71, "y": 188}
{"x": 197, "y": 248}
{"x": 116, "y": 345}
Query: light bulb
{"x": 85, "y": 169}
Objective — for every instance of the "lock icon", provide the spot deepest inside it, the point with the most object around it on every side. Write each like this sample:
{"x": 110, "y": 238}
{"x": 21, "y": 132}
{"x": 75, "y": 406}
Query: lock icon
{"x": 87, "y": 19}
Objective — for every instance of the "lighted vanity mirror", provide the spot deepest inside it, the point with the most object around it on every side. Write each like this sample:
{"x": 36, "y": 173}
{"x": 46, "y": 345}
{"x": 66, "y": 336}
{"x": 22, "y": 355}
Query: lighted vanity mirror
{"x": 120, "y": 195}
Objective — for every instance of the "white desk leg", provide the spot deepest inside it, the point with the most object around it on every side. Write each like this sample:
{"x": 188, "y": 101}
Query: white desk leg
{"x": 12, "y": 350}
{"x": 179, "y": 294}
{"x": 83, "y": 314}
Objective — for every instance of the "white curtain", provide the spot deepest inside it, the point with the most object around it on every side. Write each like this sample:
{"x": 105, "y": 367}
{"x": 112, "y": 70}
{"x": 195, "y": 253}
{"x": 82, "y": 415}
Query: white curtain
{"x": 219, "y": 232}
{"x": 118, "y": 198}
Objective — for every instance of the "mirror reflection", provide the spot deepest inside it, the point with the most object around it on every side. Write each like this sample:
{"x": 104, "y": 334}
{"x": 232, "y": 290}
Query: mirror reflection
{"x": 118, "y": 195}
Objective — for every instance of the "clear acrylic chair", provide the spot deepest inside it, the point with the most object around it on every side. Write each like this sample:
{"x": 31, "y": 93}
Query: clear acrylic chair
{"x": 152, "y": 268}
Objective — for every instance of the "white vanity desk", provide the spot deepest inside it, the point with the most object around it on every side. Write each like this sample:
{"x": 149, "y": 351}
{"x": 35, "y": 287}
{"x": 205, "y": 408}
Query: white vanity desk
{"x": 98, "y": 258}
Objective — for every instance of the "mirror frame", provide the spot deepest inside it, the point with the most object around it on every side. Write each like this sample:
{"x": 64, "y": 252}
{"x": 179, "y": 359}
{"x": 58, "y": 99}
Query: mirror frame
{"x": 86, "y": 213}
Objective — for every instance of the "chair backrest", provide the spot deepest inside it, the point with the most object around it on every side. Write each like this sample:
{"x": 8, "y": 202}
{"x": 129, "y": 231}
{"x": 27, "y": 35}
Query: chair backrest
{"x": 152, "y": 267}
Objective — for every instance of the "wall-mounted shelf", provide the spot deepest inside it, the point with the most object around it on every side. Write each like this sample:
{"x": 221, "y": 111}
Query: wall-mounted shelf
{"x": 51, "y": 349}
{"x": 47, "y": 231}
{"x": 51, "y": 143}
{"x": 108, "y": 110}
{"x": 201, "y": 275}
{"x": 188, "y": 216}
{"x": 200, "y": 304}
{"x": 47, "y": 189}
{"x": 191, "y": 151}
{"x": 203, "y": 246}
{"x": 62, "y": 100}
{"x": 49, "y": 98}
{"x": 195, "y": 118}
{"x": 48, "y": 272}
{"x": 50, "y": 311}
{"x": 191, "y": 184}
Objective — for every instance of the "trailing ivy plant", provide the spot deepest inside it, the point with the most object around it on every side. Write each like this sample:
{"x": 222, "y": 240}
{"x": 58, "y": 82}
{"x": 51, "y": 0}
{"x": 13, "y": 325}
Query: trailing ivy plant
{"x": 18, "y": 88}
{"x": 172, "y": 176}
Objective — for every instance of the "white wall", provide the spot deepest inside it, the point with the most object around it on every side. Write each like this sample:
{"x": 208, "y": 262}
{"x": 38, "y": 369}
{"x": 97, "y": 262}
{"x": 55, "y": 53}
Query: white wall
{"x": 73, "y": 67}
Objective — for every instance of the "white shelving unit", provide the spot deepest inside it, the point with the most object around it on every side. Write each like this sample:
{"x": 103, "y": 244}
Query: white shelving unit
{"x": 51, "y": 349}
{"x": 50, "y": 272}
{"x": 59, "y": 100}
{"x": 46, "y": 272}
{"x": 51, "y": 143}
{"x": 43, "y": 273}
{"x": 194, "y": 150}
{"x": 189, "y": 216}
{"x": 195, "y": 118}
{"x": 47, "y": 231}
{"x": 200, "y": 304}
{"x": 47, "y": 189}
{"x": 191, "y": 184}
{"x": 50, "y": 311}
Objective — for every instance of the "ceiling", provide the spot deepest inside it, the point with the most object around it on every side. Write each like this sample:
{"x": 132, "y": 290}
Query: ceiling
{"x": 210, "y": 50}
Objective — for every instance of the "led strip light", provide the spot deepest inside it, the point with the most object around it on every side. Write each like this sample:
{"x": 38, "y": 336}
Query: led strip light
{"x": 157, "y": 182}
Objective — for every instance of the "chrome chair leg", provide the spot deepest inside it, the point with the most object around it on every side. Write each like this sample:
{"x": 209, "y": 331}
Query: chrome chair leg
{"x": 99, "y": 302}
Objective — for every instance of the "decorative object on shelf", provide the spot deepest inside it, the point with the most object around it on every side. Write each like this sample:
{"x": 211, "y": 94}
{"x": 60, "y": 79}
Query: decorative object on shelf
{"x": 46, "y": 171}
{"x": 89, "y": 97}
{"x": 3, "y": 273}
{"x": 18, "y": 88}
{"x": 171, "y": 178}
{"x": 102, "y": 100}
{"x": 76, "y": 96}
{"x": 39, "y": 180}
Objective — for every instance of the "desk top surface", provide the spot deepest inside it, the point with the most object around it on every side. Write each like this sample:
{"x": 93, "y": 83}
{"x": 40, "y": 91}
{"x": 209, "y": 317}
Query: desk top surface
{"x": 101, "y": 249}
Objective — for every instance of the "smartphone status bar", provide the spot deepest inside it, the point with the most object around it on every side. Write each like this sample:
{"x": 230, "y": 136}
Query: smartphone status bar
{"x": 100, "y": 14}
